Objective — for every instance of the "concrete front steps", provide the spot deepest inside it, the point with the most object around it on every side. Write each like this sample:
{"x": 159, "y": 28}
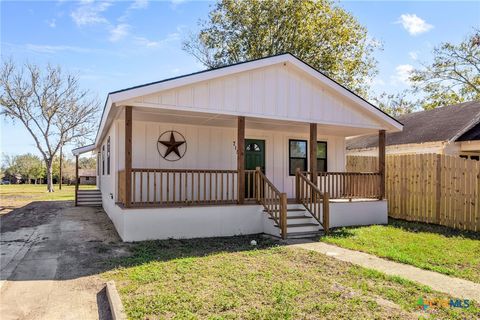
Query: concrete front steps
{"x": 89, "y": 198}
{"x": 300, "y": 224}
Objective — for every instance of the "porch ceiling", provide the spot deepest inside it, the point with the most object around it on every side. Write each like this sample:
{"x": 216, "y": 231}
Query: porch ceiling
{"x": 222, "y": 120}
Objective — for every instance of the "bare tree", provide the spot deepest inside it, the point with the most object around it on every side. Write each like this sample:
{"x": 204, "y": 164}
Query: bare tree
{"x": 50, "y": 104}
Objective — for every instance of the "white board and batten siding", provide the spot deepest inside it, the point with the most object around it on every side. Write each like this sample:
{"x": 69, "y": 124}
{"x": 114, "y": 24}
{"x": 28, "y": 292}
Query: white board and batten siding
{"x": 211, "y": 147}
{"x": 275, "y": 92}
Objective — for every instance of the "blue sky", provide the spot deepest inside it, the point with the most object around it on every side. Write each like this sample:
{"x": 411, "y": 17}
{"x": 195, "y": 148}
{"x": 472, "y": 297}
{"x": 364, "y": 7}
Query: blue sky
{"x": 114, "y": 45}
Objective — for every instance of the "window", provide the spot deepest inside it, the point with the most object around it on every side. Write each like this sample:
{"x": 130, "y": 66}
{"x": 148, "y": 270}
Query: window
{"x": 321, "y": 156}
{"x": 103, "y": 159}
{"x": 87, "y": 178}
{"x": 108, "y": 155}
{"x": 475, "y": 158}
{"x": 297, "y": 153}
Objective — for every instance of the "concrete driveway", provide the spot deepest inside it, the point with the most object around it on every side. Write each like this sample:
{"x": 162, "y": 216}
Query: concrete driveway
{"x": 51, "y": 255}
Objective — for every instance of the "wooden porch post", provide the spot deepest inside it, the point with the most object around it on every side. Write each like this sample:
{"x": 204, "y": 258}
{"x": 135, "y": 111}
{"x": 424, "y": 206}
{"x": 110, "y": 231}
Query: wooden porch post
{"x": 313, "y": 153}
{"x": 128, "y": 156}
{"x": 381, "y": 162}
{"x": 241, "y": 159}
{"x": 76, "y": 180}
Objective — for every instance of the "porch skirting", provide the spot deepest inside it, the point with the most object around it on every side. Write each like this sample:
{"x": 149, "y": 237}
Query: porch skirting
{"x": 139, "y": 224}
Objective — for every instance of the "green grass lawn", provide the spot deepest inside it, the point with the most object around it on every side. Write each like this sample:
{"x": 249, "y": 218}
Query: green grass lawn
{"x": 430, "y": 247}
{"x": 226, "y": 278}
{"x": 17, "y": 195}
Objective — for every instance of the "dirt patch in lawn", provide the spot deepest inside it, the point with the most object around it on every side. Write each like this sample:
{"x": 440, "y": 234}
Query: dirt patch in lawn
{"x": 31, "y": 215}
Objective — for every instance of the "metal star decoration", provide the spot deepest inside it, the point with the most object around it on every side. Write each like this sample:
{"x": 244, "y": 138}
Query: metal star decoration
{"x": 172, "y": 145}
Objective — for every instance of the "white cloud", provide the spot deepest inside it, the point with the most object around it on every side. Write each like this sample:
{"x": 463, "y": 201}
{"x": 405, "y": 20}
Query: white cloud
{"x": 171, "y": 37}
{"x": 51, "y": 23}
{"x": 414, "y": 24}
{"x": 54, "y": 49}
{"x": 402, "y": 73}
{"x": 413, "y": 55}
{"x": 119, "y": 32}
{"x": 90, "y": 12}
{"x": 146, "y": 42}
{"x": 139, "y": 4}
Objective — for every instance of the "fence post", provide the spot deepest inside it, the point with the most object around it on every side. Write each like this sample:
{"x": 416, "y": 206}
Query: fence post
{"x": 381, "y": 162}
{"x": 438, "y": 188}
{"x": 283, "y": 214}
{"x": 326, "y": 213}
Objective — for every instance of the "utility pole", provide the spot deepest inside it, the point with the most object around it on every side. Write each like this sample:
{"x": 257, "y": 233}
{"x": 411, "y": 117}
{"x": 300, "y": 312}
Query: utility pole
{"x": 60, "y": 173}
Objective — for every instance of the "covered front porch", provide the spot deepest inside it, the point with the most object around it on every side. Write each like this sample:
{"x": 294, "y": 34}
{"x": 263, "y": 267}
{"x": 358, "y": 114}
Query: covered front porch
{"x": 237, "y": 173}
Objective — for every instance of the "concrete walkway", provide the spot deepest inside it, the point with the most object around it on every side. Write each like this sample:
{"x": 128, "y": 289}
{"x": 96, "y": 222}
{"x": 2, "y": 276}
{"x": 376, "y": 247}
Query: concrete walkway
{"x": 456, "y": 288}
{"x": 51, "y": 256}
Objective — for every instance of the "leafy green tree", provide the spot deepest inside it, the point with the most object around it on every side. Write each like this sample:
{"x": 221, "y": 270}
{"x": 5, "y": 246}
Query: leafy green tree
{"x": 319, "y": 32}
{"x": 453, "y": 76}
{"x": 68, "y": 169}
{"x": 394, "y": 104}
{"x": 87, "y": 163}
{"x": 28, "y": 166}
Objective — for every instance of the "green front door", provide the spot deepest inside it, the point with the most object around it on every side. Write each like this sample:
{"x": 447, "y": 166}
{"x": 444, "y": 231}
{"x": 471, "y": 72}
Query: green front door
{"x": 254, "y": 157}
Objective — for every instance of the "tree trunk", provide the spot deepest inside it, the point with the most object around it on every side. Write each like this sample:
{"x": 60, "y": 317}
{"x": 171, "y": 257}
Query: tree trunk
{"x": 49, "y": 176}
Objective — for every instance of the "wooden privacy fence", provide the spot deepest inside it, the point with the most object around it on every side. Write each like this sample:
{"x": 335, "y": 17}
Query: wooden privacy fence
{"x": 362, "y": 164}
{"x": 431, "y": 188}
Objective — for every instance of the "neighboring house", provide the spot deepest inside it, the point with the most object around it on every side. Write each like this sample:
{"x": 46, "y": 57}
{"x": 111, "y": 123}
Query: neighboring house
{"x": 178, "y": 157}
{"x": 450, "y": 130}
{"x": 12, "y": 178}
{"x": 87, "y": 176}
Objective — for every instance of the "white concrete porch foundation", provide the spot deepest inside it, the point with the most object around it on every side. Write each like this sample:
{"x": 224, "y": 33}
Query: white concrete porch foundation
{"x": 141, "y": 224}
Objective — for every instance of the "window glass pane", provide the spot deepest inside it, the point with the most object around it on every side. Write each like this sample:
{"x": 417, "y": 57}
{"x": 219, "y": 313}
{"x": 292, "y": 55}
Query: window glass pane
{"x": 297, "y": 163}
{"x": 298, "y": 149}
{"x": 321, "y": 150}
{"x": 253, "y": 147}
{"x": 321, "y": 165}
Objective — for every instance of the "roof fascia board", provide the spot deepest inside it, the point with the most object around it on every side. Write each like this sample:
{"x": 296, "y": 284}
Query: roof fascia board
{"x": 84, "y": 149}
{"x": 106, "y": 112}
{"x": 469, "y": 126}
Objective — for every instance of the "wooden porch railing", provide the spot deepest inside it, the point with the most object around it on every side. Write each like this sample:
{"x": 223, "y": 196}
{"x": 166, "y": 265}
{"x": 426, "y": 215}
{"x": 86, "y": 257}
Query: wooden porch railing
{"x": 167, "y": 187}
{"x": 350, "y": 184}
{"x": 274, "y": 201}
{"x": 315, "y": 201}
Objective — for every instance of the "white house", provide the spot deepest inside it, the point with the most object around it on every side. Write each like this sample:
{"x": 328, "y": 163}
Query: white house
{"x": 215, "y": 153}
